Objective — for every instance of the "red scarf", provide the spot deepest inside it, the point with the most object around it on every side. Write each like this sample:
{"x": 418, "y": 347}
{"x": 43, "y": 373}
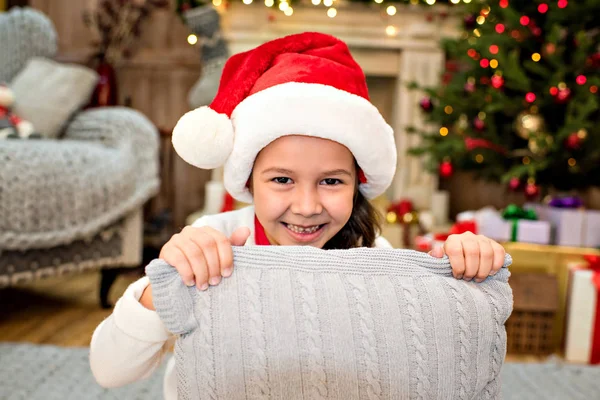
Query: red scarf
{"x": 260, "y": 237}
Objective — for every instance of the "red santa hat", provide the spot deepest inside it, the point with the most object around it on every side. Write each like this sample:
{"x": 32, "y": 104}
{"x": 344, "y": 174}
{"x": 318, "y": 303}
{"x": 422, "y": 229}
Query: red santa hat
{"x": 305, "y": 84}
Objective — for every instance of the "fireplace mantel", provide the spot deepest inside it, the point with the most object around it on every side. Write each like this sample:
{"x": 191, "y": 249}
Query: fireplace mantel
{"x": 411, "y": 53}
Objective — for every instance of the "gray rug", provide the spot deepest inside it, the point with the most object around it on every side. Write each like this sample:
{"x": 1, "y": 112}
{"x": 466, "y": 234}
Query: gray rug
{"x": 55, "y": 373}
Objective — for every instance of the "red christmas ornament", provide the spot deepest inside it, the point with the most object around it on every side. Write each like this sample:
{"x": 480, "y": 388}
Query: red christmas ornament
{"x": 532, "y": 191}
{"x": 594, "y": 60}
{"x": 497, "y": 81}
{"x": 426, "y": 104}
{"x": 514, "y": 184}
{"x": 550, "y": 48}
{"x": 446, "y": 169}
{"x": 562, "y": 96}
{"x": 470, "y": 21}
{"x": 573, "y": 141}
{"x": 451, "y": 66}
{"x": 447, "y": 78}
{"x": 478, "y": 124}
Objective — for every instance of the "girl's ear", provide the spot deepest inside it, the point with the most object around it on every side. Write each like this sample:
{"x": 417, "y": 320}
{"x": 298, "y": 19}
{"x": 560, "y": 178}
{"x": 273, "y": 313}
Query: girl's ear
{"x": 250, "y": 184}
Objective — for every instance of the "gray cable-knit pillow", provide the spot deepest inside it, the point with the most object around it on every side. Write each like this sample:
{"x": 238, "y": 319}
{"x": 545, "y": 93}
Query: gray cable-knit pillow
{"x": 305, "y": 323}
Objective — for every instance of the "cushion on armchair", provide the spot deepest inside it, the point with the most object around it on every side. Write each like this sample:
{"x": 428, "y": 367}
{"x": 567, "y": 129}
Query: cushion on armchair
{"x": 306, "y": 323}
{"x": 48, "y": 93}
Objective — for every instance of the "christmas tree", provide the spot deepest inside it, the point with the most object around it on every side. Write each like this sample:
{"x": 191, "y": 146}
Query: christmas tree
{"x": 518, "y": 101}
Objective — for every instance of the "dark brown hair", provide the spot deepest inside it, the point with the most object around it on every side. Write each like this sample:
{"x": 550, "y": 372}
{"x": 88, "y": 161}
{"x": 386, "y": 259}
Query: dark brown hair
{"x": 362, "y": 228}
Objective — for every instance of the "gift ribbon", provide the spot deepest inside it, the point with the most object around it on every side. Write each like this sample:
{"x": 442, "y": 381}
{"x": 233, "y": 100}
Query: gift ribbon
{"x": 566, "y": 202}
{"x": 514, "y": 213}
{"x": 594, "y": 264}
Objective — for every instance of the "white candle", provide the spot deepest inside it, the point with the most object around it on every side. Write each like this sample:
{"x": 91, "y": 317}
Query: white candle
{"x": 439, "y": 206}
{"x": 213, "y": 197}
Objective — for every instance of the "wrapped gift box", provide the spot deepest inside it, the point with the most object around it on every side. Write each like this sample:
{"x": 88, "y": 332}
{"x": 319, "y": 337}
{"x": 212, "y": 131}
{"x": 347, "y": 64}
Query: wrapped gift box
{"x": 538, "y": 232}
{"x": 583, "y": 315}
{"x": 570, "y": 227}
{"x": 489, "y": 223}
{"x": 591, "y": 229}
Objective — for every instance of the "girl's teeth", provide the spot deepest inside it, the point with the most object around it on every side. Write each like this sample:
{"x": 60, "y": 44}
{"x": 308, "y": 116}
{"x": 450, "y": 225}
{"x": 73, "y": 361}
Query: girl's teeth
{"x": 299, "y": 229}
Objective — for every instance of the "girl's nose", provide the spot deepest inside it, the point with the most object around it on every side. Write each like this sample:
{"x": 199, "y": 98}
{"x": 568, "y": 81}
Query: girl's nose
{"x": 307, "y": 202}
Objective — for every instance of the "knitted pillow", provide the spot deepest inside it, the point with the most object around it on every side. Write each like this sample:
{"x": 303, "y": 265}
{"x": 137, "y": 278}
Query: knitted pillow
{"x": 48, "y": 93}
{"x": 305, "y": 323}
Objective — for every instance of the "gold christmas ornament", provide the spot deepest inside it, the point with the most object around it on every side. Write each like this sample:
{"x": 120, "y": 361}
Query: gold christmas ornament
{"x": 540, "y": 143}
{"x": 461, "y": 124}
{"x": 391, "y": 217}
{"x": 528, "y": 124}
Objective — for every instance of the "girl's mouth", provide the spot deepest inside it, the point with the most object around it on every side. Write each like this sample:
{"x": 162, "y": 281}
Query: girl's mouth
{"x": 304, "y": 233}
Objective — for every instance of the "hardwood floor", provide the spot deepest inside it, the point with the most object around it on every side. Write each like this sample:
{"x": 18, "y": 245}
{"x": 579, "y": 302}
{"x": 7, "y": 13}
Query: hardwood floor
{"x": 62, "y": 311}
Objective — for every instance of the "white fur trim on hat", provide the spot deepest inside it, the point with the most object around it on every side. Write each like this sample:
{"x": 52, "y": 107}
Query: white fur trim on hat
{"x": 203, "y": 138}
{"x": 312, "y": 110}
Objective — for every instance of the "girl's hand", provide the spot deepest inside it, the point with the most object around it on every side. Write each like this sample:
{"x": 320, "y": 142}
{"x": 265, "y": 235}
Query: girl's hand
{"x": 202, "y": 255}
{"x": 472, "y": 256}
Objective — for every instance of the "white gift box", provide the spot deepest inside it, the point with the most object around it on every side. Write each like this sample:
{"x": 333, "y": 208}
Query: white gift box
{"x": 491, "y": 224}
{"x": 581, "y": 315}
{"x": 529, "y": 231}
{"x": 591, "y": 229}
{"x": 568, "y": 225}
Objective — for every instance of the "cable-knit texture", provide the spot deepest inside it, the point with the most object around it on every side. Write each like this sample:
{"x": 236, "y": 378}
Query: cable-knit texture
{"x": 462, "y": 320}
{"x": 419, "y": 380}
{"x": 332, "y": 326}
{"x": 255, "y": 337}
{"x": 203, "y": 345}
{"x": 367, "y": 337}
{"x": 317, "y": 378}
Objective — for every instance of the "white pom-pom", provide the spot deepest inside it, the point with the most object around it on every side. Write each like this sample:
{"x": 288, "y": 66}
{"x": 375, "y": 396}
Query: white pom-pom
{"x": 203, "y": 138}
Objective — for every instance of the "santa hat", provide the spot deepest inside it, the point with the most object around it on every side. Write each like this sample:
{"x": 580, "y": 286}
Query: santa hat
{"x": 305, "y": 84}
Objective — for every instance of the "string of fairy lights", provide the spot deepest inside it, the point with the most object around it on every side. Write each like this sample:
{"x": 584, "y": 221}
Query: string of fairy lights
{"x": 286, "y": 7}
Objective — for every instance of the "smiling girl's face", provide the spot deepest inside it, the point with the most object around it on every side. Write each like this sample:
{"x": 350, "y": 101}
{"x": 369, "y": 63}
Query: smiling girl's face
{"x": 303, "y": 189}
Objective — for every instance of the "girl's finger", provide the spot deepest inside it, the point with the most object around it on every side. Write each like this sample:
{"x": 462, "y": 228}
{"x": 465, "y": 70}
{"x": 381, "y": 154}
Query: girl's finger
{"x": 175, "y": 257}
{"x": 499, "y": 255}
{"x": 211, "y": 254}
{"x": 470, "y": 248}
{"x": 195, "y": 257}
{"x": 486, "y": 259}
{"x": 224, "y": 250}
{"x": 453, "y": 248}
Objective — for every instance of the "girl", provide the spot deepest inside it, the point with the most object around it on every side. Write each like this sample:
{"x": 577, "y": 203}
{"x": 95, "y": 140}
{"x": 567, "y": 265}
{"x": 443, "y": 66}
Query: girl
{"x": 299, "y": 138}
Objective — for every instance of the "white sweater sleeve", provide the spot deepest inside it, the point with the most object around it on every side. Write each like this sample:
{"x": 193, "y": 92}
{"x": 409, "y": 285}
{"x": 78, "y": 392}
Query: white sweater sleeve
{"x": 130, "y": 344}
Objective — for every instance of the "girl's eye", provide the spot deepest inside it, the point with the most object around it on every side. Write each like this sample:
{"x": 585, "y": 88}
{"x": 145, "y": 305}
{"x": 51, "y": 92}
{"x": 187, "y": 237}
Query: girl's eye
{"x": 331, "y": 181}
{"x": 282, "y": 180}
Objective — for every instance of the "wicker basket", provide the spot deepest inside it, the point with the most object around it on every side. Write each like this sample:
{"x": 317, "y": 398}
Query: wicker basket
{"x": 530, "y": 328}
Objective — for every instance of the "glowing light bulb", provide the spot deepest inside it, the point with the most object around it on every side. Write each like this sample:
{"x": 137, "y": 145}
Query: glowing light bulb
{"x": 391, "y": 30}
{"x": 192, "y": 39}
{"x": 331, "y": 13}
{"x": 391, "y": 10}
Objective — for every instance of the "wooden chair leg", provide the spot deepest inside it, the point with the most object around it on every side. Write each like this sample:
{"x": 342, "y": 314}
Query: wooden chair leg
{"x": 108, "y": 276}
